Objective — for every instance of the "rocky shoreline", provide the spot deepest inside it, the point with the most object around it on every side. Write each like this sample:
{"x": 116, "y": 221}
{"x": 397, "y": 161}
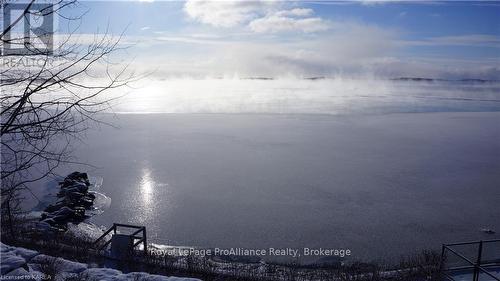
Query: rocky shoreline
{"x": 75, "y": 199}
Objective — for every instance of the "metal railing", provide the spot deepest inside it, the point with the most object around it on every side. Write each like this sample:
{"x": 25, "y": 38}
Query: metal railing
{"x": 477, "y": 266}
{"x": 137, "y": 239}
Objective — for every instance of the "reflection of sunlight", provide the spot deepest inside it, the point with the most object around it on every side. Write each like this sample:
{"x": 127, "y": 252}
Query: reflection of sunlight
{"x": 146, "y": 187}
{"x": 149, "y": 189}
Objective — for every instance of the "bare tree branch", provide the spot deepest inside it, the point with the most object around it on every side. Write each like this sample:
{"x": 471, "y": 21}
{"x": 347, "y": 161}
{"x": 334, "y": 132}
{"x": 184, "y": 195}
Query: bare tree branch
{"x": 46, "y": 107}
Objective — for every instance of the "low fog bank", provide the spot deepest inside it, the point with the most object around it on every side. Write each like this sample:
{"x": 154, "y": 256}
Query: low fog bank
{"x": 313, "y": 95}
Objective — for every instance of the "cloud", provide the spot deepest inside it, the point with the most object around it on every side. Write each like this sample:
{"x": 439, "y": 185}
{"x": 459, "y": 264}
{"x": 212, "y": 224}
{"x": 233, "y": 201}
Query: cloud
{"x": 347, "y": 47}
{"x": 471, "y": 40}
{"x": 298, "y": 12}
{"x": 188, "y": 39}
{"x": 289, "y": 20}
{"x": 382, "y": 2}
{"x": 225, "y": 13}
{"x": 435, "y": 68}
{"x": 344, "y": 49}
{"x": 259, "y": 16}
{"x": 274, "y": 24}
{"x": 376, "y": 2}
{"x": 468, "y": 40}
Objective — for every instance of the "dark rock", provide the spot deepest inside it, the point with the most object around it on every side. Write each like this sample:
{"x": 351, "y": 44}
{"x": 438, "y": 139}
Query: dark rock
{"x": 60, "y": 218}
{"x": 50, "y": 221}
{"x": 85, "y": 202}
{"x": 79, "y": 214}
{"x": 74, "y": 196}
{"x": 55, "y": 207}
{"x": 77, "y": 176}
{"x": 487, "y": 231}
{"x": 76, "y": 186}
{"x": 63, "y": 211}
{"x": 75, "y": 200}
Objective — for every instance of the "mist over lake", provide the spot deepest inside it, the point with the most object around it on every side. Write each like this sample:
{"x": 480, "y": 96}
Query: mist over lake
{"x": 305, "y": 96}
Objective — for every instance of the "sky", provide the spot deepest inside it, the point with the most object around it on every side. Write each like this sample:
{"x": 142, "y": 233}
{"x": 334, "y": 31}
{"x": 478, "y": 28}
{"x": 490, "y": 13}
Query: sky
{"x": 452, "y": 40}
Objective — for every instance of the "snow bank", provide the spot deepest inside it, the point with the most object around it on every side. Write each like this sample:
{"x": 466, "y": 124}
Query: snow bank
{"x": 116, "y": 275}
{"x": 27, "y": 264}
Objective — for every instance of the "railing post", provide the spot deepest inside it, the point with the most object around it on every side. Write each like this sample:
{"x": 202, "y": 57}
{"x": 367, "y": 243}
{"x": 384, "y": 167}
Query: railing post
{"x": 441, "y": 264}
{"x": 114, "y": 229}
{"x": 478, "y": 262}
{"x": 145, "y": 241}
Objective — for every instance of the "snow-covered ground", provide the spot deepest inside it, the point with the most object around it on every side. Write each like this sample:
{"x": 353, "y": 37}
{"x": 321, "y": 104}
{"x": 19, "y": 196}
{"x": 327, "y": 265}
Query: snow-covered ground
{"x": 22, "y": 264}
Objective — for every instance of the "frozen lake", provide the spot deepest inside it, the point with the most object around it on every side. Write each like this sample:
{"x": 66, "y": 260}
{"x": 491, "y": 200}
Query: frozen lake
{"x": 379, "y": 185}
{"x": 225, "y": 169}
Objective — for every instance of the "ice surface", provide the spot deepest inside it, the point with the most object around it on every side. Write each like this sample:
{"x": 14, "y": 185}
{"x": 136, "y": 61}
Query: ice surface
{"x": 101, "y": 203}
{"x": 381, "y": 185}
